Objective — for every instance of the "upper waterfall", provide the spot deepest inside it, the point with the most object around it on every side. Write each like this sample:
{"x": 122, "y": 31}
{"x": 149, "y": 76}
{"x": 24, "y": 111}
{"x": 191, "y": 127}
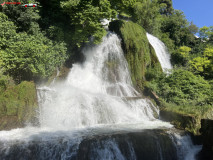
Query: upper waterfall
{"x": 161, "y": 52}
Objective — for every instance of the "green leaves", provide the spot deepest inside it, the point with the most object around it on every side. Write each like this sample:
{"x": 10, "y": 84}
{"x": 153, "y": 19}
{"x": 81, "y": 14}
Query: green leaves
{"x": 203, "y": 65}
{"x": 184, "y": 88}
{"x": 27, "y": 57}
{"x": 184, "y": 51}
{"x": 24, "y": 18}
{"x": 146, "y": 13}
{"x": 181, "y": 56}
{"x": 199, "y": 64}
{"x": 85, "y": 17}
{"x": 33, "y": 57}
{"x": 166, "y": 7}
{"x": 206, "y": 32}
{"x": 7, "y": 31}
{"x": 208, "y": 52}
{"x": 122, "y": 5}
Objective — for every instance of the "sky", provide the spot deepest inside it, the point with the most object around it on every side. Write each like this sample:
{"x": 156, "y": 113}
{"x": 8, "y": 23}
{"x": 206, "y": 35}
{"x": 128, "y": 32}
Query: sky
{"x": 200, "y": 12}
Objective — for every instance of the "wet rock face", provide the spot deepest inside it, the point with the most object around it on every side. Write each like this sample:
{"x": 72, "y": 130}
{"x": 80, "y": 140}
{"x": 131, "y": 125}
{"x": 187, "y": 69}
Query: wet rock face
{"x": 144, "y": 145}
{"x": 149, "y": 145}
{"x": 187, "y": 122}
{"x": 207, "y": 134}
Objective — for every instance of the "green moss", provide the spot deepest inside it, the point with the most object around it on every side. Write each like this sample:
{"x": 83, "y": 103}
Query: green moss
{"x": 63, "y": 73}
{"x": 18, "y": 104}
{"x": 138, "y": 52}
{"x": 28, "y": 100}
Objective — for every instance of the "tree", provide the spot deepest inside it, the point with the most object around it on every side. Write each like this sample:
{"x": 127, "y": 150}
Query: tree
{"x": 206, "y": 33}
{"x": 32, "y": 57}
{"x": 193, "y": 28}
{"x": 85, "y": 17}
{"x": 7, "y": 31}
{"x": 122, "y": 5}
{"x": 26, "y": 19}
{"x": 181, "y": 55}
{"x": 178, "y": 28}
{"x": 203, "y": 65}
{"x": 166, "y": 7}
{"x": 200, "y": 64}
{"x": 146, "y": 14}
{"x": 25, "y": 56}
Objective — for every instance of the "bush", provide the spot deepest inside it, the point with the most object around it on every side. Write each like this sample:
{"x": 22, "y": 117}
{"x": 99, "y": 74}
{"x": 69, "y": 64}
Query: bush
{"x": 181, "y": 56}
{"x": 32, "y": 57}
{"x": 183, "y": 88}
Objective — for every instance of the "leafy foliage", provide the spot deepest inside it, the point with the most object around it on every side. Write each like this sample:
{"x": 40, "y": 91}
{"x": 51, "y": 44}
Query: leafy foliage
{"x": 122, "y": 5}
{"x": 85, "y": 16}
{"x": 146, "y": 13}
{"x": 27, "y": 57}
{"x": 7, "y": 31}
{"x": 206, "y": 33}
{"x": 166, "y": 7}
{"x": 26, "y": 19}
{"x": 183, "y": 88}
{"x": 204, "y": 65}
{"x": 181, "y": 56}
{"x": 178, "y": 28}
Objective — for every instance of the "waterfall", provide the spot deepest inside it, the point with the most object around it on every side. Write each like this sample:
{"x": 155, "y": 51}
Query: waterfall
{"x": 95, "y": 92}
{"x": 161, "y": 52}
{"x": 94, "y": 114}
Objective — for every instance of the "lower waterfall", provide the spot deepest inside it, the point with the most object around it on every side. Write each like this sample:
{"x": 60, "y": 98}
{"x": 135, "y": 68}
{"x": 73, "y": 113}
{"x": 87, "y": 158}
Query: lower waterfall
{"x": 96, "y": 114}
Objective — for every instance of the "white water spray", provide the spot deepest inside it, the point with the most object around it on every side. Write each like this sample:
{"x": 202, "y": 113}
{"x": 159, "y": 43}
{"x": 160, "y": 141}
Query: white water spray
{"x": 161, "y": 52}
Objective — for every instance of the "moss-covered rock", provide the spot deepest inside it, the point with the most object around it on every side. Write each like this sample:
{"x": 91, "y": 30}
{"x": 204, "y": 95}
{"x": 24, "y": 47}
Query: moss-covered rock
{"x": 139, "y": 53}
{"x": 185, "y": 117}
{"x": 190, "y": 123}
{"x": 57, "y": 76}
{"x": 18, "y": 104}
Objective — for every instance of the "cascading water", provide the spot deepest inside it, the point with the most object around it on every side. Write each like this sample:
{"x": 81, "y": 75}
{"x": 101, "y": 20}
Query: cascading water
{"x": 94, "y": 92}
{"x": 94, "y": 114}
{"x": 161, "y": 52}
{"x": 184, "y": 146}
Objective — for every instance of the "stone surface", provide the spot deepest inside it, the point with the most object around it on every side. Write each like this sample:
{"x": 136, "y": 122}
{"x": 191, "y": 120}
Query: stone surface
{"x": 207, "y": 136}
{"x": 189, "y": 123}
